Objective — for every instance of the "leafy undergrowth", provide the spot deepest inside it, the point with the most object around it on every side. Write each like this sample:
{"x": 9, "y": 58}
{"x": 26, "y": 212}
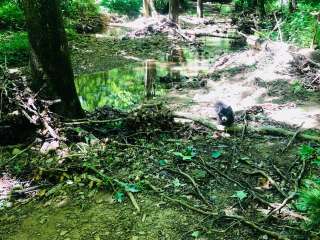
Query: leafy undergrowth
{"x": 152, "y": 183}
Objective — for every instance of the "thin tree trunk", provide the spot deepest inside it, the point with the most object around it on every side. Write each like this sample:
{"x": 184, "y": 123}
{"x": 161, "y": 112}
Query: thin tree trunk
{"x": 292, "y": 5}
{"x": 50, "y": 59}
{"x": 149, "y": 9}
{"x": 174, "y": 10}
{"x": 200, "y": 8}
{"x": 149, "y": 78}
{"x": 146, "y": 9}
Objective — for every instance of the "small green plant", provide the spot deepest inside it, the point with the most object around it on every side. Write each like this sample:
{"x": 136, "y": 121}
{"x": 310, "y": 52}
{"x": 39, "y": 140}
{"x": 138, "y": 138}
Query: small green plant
{"x": 309, "y": 202}
{"x": 296, "y": 87}
{"x": 309, "y": 196}
{"x": 186, "y": 155}
{"x": 240, "y": 195}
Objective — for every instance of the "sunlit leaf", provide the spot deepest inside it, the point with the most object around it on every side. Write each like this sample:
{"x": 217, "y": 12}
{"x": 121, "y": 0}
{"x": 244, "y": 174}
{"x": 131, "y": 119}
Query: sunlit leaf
{"x": 216, "y": 154}
{"x": 195, "y": 234}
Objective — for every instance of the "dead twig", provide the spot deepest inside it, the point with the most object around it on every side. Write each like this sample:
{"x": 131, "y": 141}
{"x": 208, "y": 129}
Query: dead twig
{"x": 133, "y": 200}
{"x": 293, "y": 137}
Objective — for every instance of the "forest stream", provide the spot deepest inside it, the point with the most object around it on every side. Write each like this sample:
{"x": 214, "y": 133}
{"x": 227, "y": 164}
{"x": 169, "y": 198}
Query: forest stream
{"x": 162, "y": 167}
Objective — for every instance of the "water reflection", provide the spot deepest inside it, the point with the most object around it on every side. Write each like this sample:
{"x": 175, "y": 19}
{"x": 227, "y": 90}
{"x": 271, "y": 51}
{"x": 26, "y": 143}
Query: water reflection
{"x": 150, "y": 78}
{"x": 119, "y": 87}
{"x": 128, "y": 85}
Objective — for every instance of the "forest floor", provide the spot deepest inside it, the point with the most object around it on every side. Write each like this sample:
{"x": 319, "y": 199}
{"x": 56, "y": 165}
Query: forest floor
{"x": 162, "y": 179}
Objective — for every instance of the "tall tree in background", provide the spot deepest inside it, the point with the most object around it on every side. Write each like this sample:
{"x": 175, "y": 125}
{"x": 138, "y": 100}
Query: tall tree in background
{"x": 200, "y": 8}
{"x": 148, "y": 8}
{"x": 292, "y": 5}
{"x": 50, "y": 59}
{"x": 174, "y": 10}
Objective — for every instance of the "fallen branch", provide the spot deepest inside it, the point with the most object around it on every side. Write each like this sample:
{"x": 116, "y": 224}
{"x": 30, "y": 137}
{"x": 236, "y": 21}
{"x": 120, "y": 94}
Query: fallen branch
{"x": 270, "y": 179}
{"x": 195, "y": 185}
{"x": 282, "y": 205}
{"x": 293, "y": 137}
{"x": 89, "y": 121}
{"x": 267, "y": 130}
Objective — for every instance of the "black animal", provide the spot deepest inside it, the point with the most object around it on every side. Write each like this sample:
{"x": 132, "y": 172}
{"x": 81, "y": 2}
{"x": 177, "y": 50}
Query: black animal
{"x": 224, "y": 113}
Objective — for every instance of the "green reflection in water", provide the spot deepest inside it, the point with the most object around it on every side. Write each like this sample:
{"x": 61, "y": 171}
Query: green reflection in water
{"x": 120, "y": 88}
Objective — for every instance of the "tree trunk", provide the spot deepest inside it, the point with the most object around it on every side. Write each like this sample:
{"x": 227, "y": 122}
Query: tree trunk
{"x": 50, "y": 59}
{"x": 200, "y": 8}
{"x": 174, "y": 10}
{"x": 149, "y": 9}
{"x": 292, "y": 5}
{"x": 149, "y": 78}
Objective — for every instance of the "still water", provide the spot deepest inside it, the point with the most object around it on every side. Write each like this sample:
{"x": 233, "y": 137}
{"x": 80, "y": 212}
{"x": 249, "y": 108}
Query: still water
{"x": 123, "y": 87}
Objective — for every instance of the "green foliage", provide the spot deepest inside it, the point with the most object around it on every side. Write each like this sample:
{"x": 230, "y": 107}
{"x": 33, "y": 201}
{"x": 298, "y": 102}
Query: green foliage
{"x": 128, "y": 7}
{"x": 76, "y": 9}
{"x": 309, "y": 202}
{"x": 14, "y": 48}
{"x": 186, "y": 155}
{"x": 225, "y": 10}
{"x": 11, "y": 16}
{"x": 309, "y": 197}
{"x": 300, "y": 27}
{"x": 162, "y": 6}
{"x": 306, "y": 152}
{"x": 297, "y": 87}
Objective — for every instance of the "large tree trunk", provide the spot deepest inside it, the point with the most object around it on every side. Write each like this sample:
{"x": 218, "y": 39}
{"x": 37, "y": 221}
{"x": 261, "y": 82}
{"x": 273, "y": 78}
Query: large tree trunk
{"x": 50, "y": 59}
{"x": 200, "y": 8}
{"x": 148, "y": 8}
{"x": 174, "y": 10}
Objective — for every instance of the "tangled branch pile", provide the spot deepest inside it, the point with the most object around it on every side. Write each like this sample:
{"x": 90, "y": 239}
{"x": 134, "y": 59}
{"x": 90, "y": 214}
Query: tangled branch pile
{"x": 22, "y": 112}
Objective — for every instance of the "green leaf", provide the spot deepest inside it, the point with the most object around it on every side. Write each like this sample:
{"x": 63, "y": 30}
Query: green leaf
{"x": 216, "y": 154}
{"x": 187, "y": 158}
{"x": 16, "y": 151}
{"x": 163, "y": 162}
{"x": 240, "y": 195}
{"x": 195, "y": 234}
{"x": 178, "y": 154}
{"x": 131, "y": 187}
{"x": 119, "y": 197}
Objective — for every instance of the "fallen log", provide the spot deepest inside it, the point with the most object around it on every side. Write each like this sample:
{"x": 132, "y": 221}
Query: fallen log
{"x": 265, "y": 130}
